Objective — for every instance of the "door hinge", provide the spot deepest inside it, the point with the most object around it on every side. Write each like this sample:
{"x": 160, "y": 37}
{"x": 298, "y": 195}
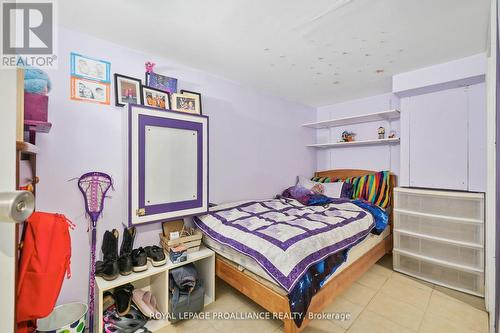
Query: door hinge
{"x": 140, "y": 212}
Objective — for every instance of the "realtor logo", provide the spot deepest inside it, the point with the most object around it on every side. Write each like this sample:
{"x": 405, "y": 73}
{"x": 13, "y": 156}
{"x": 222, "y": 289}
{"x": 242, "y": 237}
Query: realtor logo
{"x": 28, "y": 34}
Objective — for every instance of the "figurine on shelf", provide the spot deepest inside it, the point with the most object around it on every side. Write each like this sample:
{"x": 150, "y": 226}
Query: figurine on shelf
{"x": 392, "y": 135}
{"x": 347, "y": 136}
{"x": 381, "y": 132}
{"x": 149, "y": 66}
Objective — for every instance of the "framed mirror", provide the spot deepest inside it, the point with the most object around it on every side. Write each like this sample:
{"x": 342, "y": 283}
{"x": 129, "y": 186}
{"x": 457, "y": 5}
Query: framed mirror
{"x": 167, "y": 164}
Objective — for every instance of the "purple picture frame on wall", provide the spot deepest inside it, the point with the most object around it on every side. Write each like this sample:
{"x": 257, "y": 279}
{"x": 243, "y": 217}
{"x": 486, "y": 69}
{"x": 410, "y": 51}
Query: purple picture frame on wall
{"x": 140, "y": 120}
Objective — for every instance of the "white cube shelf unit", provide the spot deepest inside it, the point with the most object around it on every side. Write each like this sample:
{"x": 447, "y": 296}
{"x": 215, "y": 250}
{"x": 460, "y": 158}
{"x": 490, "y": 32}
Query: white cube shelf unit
{"x": 155, "y": 279}
{"x": 439, "y": 237}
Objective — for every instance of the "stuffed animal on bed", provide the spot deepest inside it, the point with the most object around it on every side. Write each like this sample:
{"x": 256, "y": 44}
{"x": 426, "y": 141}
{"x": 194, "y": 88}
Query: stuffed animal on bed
{"x": 36, "y": 81}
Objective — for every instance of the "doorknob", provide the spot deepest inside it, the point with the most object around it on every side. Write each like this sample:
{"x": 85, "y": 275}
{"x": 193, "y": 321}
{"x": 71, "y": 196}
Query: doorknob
{"x": 16, "y": 206}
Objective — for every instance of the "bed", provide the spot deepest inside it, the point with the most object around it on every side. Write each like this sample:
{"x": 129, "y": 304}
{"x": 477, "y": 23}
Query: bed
{"x": 264, "y": 286}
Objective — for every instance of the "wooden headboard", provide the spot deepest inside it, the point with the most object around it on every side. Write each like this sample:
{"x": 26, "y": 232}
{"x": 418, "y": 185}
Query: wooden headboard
{"x": 346, "y": 173}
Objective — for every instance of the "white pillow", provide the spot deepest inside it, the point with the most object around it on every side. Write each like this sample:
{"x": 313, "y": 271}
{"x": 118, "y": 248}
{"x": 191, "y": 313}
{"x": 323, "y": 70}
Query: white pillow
{"x": 332, "y": 190}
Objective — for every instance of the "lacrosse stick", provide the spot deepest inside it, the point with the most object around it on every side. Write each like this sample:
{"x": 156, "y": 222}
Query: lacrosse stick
{"x": 93, "y": 186}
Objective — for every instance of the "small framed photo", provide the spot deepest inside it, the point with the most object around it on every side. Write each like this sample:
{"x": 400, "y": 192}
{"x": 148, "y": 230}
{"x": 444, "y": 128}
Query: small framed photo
{"x": 195, "y": 95}
{"x": 156, "y": 98}
{"x": 127, "y": 90}
{"x": 185, "y": 103}
{"x": 90, "y": 68}
{"x": 89, "y": 91}
{"x": 161, "y": 82}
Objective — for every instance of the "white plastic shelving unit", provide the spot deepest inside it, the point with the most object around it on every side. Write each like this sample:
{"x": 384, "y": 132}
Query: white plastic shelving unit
{"x": 439, "y": 237}
{"x": 155, "y": 279}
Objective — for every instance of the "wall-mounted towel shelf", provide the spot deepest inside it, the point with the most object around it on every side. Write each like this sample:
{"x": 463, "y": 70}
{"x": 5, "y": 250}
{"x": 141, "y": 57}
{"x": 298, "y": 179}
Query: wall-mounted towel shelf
{"x": 377, "y": 116}
{"x": 355, "y": 143}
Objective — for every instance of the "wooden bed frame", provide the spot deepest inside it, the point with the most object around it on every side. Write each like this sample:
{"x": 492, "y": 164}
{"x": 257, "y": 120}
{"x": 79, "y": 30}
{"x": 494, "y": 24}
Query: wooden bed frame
{"x": 277, "y": 303}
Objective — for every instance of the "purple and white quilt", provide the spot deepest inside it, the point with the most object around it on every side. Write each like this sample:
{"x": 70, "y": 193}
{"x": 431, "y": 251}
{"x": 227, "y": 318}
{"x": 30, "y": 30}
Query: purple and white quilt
{"x": 284, "y": 236}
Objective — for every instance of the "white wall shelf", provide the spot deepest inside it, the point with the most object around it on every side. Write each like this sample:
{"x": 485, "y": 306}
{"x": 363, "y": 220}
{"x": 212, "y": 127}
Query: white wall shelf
{"x": 366, "y": 118}
{"x": 354, "y": 143}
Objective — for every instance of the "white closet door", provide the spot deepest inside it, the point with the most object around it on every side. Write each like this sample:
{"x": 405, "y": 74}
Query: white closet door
{"x": 438, "y": 140}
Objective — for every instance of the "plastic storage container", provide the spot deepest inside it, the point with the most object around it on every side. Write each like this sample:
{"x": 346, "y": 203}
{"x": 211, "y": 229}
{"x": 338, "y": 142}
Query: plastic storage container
{"x": 448, "y": 252}
{"x": 444, "y": 203}
{"x": 447, "y": 228}
{"x": 471, "y": 282}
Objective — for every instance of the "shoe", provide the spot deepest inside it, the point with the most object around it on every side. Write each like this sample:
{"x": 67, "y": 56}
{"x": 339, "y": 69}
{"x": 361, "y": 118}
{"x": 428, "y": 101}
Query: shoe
{"x": 139, "y": 260}
{"x": 127, "y": 241}
{"x": 108, "y": 268}
{"x": 125, "y": 259}
{"x": 107, "y": 300}
{"x": 125, "y": 264}
{"x": 156, "y": 255}
{"x": 146, "y": 303}
{"x": 123, "y": 298}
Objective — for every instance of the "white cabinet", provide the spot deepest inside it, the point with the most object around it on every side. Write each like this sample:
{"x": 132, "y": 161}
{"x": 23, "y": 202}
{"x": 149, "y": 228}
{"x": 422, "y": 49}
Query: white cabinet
{"x": 439, "y": 237}
{"x": 443, "y": 139}
{"x": 438, "y": 140}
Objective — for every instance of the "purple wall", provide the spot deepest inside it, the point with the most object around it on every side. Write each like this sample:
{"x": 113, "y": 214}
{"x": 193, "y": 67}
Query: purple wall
{"x": 257, "y": 146}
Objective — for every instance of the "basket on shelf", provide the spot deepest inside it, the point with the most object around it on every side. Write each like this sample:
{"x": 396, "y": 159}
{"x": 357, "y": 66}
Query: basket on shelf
{"x": 190, "y": 238}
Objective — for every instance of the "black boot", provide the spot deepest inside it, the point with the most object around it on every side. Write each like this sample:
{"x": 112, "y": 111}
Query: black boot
{"x": 125, "y": 260}
{"x": 108, "y": 267}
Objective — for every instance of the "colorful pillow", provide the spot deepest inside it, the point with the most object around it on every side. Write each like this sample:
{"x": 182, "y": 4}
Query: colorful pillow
{"x": 372, "y": 188}
{"x": 324, "y": 179}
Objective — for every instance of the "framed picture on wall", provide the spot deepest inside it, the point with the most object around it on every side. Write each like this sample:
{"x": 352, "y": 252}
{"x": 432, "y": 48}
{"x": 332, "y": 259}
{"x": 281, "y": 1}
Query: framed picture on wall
{"x": 161, "y": 82}
{"x": 90, "y": 68}
{"x": 155, "y": 98}
{"x": 194, "y": 95}
{"x": 89, "y": 91}
{"x": 185, "y": 103}
{"x": 127, "y": 90}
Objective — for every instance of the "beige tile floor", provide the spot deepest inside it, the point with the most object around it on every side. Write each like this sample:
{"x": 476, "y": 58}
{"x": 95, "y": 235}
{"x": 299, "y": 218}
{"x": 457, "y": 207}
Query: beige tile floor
{"x": 380, "y": 301}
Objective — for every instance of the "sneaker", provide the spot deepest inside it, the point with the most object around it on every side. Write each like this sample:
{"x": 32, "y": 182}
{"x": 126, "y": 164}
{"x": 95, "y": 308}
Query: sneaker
{"x": 156, "y": 255}
{"x": 139, "y": 260}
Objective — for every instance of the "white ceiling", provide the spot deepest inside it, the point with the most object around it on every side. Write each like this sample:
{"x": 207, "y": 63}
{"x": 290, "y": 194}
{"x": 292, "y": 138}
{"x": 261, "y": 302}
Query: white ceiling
{"x": 317, "y": 52}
